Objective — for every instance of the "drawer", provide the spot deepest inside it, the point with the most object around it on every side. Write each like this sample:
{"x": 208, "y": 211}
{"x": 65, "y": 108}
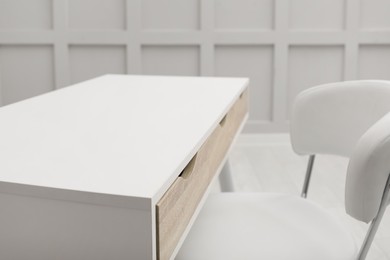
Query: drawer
{"x": 179, "y": 203}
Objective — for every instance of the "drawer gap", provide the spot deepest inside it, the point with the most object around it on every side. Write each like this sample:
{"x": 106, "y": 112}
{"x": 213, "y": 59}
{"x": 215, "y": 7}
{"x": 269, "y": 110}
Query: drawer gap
{"x": 186, "y": 172}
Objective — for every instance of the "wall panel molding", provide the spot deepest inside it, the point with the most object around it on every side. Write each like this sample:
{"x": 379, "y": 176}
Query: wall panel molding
{"x": 196, "y": 37}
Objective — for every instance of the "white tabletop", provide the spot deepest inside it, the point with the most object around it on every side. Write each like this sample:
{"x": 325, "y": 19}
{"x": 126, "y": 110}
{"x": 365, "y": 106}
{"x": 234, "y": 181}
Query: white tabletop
{"x": 119, "y": 135}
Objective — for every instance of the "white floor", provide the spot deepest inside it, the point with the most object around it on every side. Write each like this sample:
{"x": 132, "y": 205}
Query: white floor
{"x": 267, "y": 163}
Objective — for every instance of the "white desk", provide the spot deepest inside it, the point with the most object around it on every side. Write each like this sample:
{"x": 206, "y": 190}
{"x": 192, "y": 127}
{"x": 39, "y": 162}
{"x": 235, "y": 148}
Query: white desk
{"x": 91, "y": 172}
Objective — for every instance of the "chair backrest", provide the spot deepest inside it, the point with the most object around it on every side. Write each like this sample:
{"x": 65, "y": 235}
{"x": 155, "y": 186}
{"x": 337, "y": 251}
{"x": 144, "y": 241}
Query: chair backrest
{"x": 348, "y": 119}
{"x": 330, "y": 118}
{"x": 368, "y": 171}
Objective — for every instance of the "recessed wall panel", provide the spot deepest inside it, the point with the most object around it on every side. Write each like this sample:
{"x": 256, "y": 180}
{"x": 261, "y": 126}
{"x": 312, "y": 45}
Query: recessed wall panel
{"x": 309, "y": 66}
{"x": 374, "y": 14}
{"x": 97, "y": 15}
{"x": 25, "y": 71}
{"x": 256, "y": 63}
{"x": 89, "y": 61}
{"x": 374, "y": 62}
{"x": 170, "y": 14}
{"x": 25, "y": 15}
{"x": 317, "y": 14}
{"x": 170, "y": 60}
{"x": 244, "y": 14}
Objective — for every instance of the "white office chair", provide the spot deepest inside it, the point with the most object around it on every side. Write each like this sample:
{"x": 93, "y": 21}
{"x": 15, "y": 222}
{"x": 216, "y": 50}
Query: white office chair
{"x": 327, "y": 119}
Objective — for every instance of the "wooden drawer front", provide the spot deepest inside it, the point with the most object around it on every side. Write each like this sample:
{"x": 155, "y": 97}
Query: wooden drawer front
{"x": 178, "y": 204}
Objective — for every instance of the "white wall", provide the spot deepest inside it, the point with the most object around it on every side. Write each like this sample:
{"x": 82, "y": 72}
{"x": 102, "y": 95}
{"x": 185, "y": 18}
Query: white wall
{"x": 284, "y": 46}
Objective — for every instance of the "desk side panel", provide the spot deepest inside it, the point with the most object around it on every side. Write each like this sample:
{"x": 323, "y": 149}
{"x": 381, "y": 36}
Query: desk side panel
{"x": 43, "y": 229}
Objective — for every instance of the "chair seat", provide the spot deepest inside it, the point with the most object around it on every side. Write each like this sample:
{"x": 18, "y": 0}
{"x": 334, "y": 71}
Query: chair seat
{"x": 249, "y": 226}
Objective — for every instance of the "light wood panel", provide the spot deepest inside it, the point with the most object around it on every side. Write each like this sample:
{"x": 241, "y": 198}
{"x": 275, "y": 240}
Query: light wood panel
{"x": 179, "y": 203}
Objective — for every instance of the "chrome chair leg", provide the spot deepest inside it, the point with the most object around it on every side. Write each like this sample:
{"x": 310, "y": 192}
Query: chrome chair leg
{"x": 308, "y": 175}
{"x": 375, "y": 223}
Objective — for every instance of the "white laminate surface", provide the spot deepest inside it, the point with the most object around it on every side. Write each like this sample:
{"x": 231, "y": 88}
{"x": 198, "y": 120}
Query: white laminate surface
{"x": 117, "y": 135}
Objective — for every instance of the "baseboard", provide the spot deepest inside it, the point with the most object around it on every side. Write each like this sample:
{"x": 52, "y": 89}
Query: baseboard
{"x": 263, "y": 139}
{"x": 256, "y": 127}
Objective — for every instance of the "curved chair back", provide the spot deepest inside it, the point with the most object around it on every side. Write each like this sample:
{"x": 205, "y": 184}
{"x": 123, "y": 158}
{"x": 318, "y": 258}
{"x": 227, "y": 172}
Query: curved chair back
{"x": 368, "y": 172}
{"x": 330, "y": 118}
{"x": 349, "y": 119}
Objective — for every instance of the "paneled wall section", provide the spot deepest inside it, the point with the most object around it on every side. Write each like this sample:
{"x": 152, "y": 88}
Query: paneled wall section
{"x": 284, "y": 46}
